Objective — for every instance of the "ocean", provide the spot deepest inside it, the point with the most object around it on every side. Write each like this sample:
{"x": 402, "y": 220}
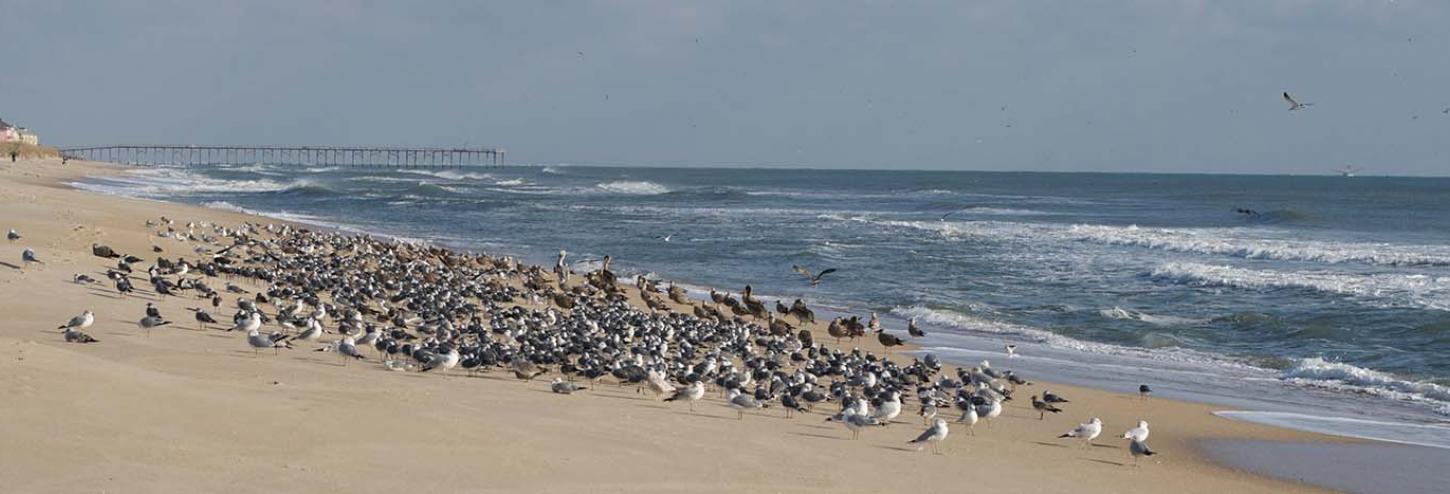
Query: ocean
{"x": 1321, "y": 303}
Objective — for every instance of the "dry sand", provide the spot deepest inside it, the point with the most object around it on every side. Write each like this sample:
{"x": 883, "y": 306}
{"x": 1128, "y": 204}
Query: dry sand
{"x": 189, "y": 410}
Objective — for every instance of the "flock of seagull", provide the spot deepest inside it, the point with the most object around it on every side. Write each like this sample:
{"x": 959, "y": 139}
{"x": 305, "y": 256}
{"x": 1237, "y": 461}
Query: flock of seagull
{"x": 427, "y": 309}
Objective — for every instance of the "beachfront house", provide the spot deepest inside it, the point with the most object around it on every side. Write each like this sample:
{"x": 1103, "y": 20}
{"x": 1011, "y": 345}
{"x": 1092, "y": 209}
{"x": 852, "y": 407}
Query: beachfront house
{"x": 11, "y": 133}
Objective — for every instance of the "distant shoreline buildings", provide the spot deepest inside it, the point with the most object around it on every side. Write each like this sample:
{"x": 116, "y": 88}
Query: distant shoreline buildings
{"x": 11, "y": 133}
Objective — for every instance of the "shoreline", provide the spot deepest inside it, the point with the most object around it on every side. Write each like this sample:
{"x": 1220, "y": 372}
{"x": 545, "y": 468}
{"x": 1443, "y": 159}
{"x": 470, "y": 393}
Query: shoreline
{"x": 1179, "y": 426}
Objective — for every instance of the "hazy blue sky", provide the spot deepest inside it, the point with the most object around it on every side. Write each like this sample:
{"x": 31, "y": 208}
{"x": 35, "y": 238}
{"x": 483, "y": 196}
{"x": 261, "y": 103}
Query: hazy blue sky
{"x": 1002, "y": 85}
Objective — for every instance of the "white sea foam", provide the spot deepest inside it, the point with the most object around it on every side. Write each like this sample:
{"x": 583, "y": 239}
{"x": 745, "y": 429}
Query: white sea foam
{"x": 1337, "y": 376}
{"x": 633, "y": 187}
{"x": 1237, "y": 242}
{"x": 1383, "y": 289}
{"x": 1133, "y": 315}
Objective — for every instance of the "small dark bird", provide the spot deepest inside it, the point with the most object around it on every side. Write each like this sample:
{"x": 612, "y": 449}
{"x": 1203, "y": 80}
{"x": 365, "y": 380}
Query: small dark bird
{"x": 155, "y": 248}
{"x": 888, "y": 340}
{"x": 1043, "y": 408}
{"x": 1047, "y": 396}
{"x": 203, "y": 319}
{"x": 1144, "y": 391}
{"x": 12, "y": 235}
{"x": 103, "y": 251}
{"x": 913, "y": 330}
{"x": 82, "y": 279}
{"x": 815, "y": 279}
{"x": 1139, "y": 449}
{"x": 73, "y": 335}
{"x": 28, "y": 256}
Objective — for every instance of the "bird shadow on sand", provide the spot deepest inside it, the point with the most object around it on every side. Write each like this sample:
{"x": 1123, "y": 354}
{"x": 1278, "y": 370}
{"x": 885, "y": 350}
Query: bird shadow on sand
{"x": 703, "y": 415}
{"x": 11, "y": 266}
{"x": 656, "y": 407}
{"x": 821, "y": 436}
{"x": 897, "y": 448}
{"x": 1109, "y": 446}
{"x": 1113, "y": 463}
{"x": 620, "y": 397}
{"x": 1045, "y": 443}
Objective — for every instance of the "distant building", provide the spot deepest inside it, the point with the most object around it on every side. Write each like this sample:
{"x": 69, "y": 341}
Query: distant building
{"x": 11, "y": 133}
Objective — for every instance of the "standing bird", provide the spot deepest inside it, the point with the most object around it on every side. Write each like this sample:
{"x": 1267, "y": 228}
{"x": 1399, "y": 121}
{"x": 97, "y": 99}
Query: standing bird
{"x": 28, "y": 256}
{"x": 1043, "y": 408}
{"x": 1139, "y": 449}
{"x": 82, "y": 321}
{"x": 858, "y": 421}
{"x": 1144, "y": 391}
{"x": 690, "y": 394}
{"x": 1086, "y": 432}
{"x": 888, "y": 340}
{"x": 1139, "y": 433}
{"x": 815, "y": 279}
{"x": 1295, "y": 105}
{"x": 151, "y": 321}
{"x": 742, "y": 402}
{"x": 934, "y": 435}
{"x": 203, "y": 319}
{"x": 258, "y": 341}
{"x": 913, "y": 330}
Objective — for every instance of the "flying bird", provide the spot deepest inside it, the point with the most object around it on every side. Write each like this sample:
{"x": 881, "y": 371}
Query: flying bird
{"x": 1295, "y": 105}
{"x": 815, "y": 279}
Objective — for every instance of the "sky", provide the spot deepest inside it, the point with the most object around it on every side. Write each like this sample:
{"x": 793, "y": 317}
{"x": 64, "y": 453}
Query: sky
{"x": 1083, "y": 85}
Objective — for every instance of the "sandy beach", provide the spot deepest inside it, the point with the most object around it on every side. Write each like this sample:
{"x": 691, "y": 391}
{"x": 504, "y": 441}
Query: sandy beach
{"x": 185, "y": 409}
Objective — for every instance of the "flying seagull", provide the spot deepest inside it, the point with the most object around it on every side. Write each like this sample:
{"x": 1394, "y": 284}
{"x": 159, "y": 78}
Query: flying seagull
{"x": 815, "y": 279}
{"x": 1295, "y": 105}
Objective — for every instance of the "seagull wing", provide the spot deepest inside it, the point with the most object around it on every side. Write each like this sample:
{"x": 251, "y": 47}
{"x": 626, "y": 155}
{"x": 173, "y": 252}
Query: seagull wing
{"x": 801, "y": 270}
{"x": 826, "y": 272}
{"x": 1290, "y": 100}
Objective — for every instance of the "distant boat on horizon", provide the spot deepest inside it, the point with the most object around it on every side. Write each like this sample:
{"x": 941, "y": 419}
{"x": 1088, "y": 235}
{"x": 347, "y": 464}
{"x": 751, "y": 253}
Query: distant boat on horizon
{"x": 1347, "y": 171}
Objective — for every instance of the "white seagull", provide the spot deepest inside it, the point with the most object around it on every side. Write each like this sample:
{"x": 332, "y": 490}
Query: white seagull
{"x": 1086, "y": 432}
{"x": 82, "y": 321}
{"x": 1139, "y": 433}
{"x": 690, "y": 394}
{"x": 934, "y": 435}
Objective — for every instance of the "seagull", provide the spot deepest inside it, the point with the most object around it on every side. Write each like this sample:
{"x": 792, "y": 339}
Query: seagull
{"x": 99, "y": 250}
{"x": 560, "y": 386}
{"x": 815, "y": 279}
{"x": 1139, "y": 433}
{"x": 858, "y": 421}
{"x": 73, "y": 335}
{"x": 1295, "y": 105}
{"x": 969, "y": 417}
{"x": 1049, "y": 397}
{"x": 82, "y": 321}
{"x": 913, "y": 330}
{"x": 12, "y": 235}
{"x": 934, "y": 435}
{"x": 690, "y": 394}
{"x": 347, "y": 347}
{"x": 1043, "y": 407}
{"x": 81, "y": 279}
{"x": 1011, "y": 351}
{"x": 665, "y": 237}
{"x": 203, "y": 319}
{"x": 1139, "y": 449}
{"x": 250, "y": 324}
{"x": 259, "y": 341}
{"x": 1086, "y": 432}
{"x": 28, "y": 255}
{"x": 150, "y": 321}
{"x": 1144, "y": 391}
{"x": 742, "y": 402}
